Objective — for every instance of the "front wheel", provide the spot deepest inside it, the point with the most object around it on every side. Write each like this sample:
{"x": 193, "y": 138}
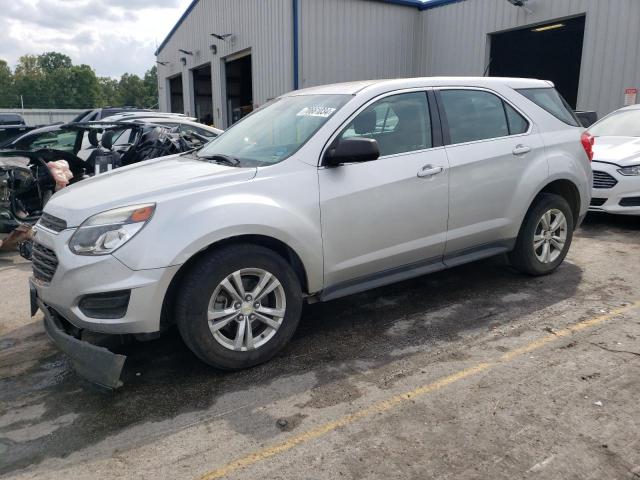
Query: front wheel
{"x": 545, "y": 236}
{"x": 239, "y": 306}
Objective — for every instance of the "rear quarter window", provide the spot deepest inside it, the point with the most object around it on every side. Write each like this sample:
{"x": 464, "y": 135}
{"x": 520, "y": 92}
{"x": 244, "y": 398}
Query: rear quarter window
{"x": 550, "y": 100}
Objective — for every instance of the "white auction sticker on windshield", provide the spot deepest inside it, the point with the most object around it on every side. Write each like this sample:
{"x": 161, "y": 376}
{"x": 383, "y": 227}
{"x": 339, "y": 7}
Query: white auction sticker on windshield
{"x": 316, "y": 112}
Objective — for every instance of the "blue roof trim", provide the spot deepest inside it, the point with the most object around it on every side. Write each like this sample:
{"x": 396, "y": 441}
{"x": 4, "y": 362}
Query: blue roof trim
{"x": 420, "y": 5}
{"x": 437, "y": 3}
{"x": 407, "y": 3}
{"x": 177, "y": 25}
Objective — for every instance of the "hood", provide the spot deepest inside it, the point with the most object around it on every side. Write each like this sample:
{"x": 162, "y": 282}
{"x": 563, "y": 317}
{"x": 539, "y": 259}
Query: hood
{"x": 155, "y": 180}
{"x": 622, "y": 151}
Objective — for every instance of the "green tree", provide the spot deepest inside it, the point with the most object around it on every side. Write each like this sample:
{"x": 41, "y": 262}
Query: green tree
{"x": 30, "y": 83}
{"x": 50, "y": 80}
{"x": 75, "y": 87}
{"x": 109, "y": 92}
{"x": 51, "y": 61}
{"x": 151, "y": 87}
{"x": 8, "y": 98}
{"x": 132, "y": 90}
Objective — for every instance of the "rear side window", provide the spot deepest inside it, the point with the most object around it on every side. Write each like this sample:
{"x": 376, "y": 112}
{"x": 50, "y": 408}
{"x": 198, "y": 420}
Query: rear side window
{"x": 517, "y": 123}
{"x": 551, "y": 101}
{"x": 399, "y": 123}
{"x": 477, "y": 115}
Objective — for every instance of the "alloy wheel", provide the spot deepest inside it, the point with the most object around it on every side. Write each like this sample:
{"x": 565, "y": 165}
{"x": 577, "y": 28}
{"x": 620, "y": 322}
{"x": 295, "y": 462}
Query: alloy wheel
{"x": 550, "y": 236}
{"x": 246, "y": 309}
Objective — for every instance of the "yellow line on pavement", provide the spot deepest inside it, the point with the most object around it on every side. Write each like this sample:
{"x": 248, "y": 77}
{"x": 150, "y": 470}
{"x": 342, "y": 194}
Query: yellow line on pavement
{"x": 397, "y": 400}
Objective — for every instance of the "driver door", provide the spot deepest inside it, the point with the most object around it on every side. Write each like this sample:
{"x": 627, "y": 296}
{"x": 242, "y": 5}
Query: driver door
{"x": 385, "y": 220}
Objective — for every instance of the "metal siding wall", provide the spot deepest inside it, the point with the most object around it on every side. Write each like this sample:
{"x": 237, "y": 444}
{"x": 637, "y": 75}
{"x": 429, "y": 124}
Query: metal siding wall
{"x": 266, "y": 27}
{"x": 342, "y": 40}
{"x": 455, "y": 42}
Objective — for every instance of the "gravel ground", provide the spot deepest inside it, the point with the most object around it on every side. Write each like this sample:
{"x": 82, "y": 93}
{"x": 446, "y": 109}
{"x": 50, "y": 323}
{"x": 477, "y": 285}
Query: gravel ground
{"x": 476, "y": 372}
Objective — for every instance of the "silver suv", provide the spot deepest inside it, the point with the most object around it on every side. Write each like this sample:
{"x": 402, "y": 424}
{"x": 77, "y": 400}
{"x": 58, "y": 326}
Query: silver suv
{"x": 322, "y": 193}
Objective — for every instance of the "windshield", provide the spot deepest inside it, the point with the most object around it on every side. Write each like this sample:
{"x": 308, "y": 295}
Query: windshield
{"x": 624, "y": 123}
{"x": 275, "y": 131}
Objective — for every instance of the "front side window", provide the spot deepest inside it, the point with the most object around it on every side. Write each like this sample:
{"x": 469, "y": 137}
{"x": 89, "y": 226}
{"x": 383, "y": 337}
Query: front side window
{"x": 275, "y": 131}
{"x": 399, "y": 123}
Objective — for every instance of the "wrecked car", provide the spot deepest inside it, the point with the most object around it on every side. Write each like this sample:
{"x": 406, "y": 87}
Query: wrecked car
{"x": 12, "y": 125}
{"x": 92, "y": 148}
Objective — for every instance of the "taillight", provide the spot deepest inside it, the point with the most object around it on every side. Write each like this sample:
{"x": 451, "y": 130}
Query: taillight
{"x": 587, "y": 143}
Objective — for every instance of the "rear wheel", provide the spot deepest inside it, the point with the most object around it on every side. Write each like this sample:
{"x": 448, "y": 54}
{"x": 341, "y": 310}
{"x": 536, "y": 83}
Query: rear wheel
{"x": 239, "y": 306}
{"x": 545, "y": 236}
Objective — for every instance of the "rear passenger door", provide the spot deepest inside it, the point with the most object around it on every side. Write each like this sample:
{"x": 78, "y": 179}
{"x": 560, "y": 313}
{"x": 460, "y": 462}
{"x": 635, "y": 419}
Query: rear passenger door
{"x": 492, "y": 148}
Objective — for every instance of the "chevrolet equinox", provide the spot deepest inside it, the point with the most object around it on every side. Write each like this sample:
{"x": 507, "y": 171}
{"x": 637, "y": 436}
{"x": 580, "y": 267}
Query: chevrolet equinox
{"x": 321, "y": 193}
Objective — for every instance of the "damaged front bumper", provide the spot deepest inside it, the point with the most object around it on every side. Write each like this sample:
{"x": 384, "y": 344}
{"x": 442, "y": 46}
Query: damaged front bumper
{"x": 92, "y": 362}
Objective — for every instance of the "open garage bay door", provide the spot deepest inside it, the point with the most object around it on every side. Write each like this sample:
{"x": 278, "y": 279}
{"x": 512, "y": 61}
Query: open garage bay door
{"x": 239, "y": 87}
{"x": 202, "y": 94}
{"x": 552, "y": 51}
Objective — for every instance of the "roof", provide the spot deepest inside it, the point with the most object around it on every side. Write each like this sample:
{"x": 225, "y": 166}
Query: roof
{"x": 419, "y": 4}
{"x": 352, "y": 88}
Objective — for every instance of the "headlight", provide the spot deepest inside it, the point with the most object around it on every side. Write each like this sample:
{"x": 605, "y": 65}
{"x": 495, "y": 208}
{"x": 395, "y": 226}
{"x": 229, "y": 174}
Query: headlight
{"x": 635, "y": 170}
{"x": 105, "y": 232}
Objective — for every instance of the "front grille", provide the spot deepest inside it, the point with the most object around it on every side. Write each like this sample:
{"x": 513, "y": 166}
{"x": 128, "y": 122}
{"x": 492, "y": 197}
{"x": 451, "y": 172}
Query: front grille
{"x": 598, "y": 202}
{"x": 44, "y": 262}
{"x": 630, "y": 202}
{"x": 603, "y": 180}
{"x": 52, "y": 223}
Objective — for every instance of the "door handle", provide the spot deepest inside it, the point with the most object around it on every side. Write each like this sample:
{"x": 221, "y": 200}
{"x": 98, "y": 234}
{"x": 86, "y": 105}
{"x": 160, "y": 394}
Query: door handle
{"x": 429, "y": 171}
{"x": 521, "y": 150}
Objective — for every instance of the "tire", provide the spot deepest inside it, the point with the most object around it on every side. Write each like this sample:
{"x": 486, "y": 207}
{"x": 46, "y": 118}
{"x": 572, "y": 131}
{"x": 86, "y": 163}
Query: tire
{"x": 536, "y": 261}
{"x": 199, "y": 314}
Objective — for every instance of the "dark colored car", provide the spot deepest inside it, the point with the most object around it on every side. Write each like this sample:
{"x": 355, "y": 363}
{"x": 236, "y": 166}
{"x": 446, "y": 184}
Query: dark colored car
{"x": 12, "y": 125}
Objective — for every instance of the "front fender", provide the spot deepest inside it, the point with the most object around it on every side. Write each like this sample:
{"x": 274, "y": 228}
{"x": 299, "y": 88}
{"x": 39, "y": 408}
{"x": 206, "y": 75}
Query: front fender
{"x": 283, "y": 206}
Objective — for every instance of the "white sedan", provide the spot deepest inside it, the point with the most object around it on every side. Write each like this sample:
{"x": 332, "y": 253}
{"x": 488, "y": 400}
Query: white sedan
{"x": 616, "y": 162}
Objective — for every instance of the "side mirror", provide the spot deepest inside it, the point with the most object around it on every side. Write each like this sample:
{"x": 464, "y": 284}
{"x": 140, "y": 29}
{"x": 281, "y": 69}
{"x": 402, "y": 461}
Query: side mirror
{"x": 352, "y": 150}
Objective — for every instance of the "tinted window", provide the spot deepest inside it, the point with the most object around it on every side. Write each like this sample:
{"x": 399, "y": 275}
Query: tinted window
{"x": 58, "y": 140}
{"x": 474, "y": 115}
{"x": 399, "y": 123}
{"x": 517, "y": 123}
{"x": 551, "y": 101}
{"x": 10, "y": 119}
{"x": 623, "y": 123}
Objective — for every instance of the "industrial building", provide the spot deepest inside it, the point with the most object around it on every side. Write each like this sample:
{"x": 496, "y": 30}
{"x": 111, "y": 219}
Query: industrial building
{"x": 224, "y": 58}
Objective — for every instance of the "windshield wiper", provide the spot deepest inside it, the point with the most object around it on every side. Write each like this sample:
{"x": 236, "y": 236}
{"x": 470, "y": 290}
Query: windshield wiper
{"x": 221, "y": 158}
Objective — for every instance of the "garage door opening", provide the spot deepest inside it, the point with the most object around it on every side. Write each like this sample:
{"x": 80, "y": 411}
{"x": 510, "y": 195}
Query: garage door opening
{"x": 203, "y": 94}
{"x": 551, "y": 51}
{"x": 239, "y": 87}
{"x": 176, "y": 95}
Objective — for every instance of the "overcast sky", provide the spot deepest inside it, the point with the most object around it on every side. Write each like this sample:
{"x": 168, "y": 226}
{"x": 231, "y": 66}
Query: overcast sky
{"x": 112, "y": 36}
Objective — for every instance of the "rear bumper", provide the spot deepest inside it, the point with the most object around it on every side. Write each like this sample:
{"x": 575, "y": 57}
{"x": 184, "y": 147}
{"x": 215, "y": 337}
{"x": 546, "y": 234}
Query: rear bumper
{"x": 92, "y": 362}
